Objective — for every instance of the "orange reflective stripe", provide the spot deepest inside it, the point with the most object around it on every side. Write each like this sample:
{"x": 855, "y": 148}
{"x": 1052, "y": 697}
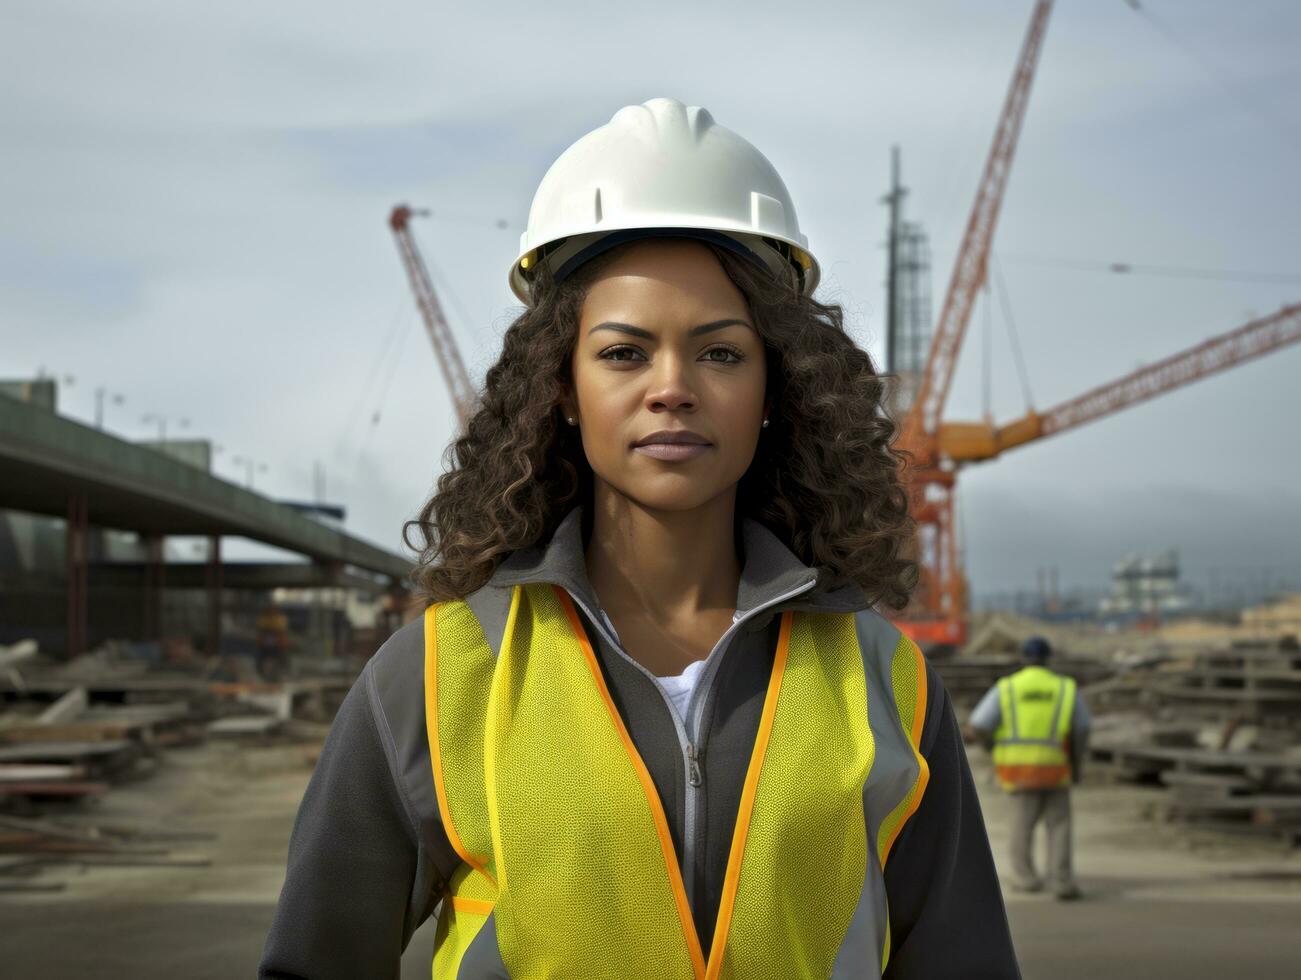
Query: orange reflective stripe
{"x": 1032, "y": 776}
{"x": 732, "y": 878}
{"x": 435, "y": 752}
{"x": 648, "y": 787}
{"x": 473, "y": 905}
{"x": 915, "y": 737}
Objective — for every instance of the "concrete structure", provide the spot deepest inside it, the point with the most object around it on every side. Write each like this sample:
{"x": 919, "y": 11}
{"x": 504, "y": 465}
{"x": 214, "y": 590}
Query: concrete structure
{"x": 54, "y": 466}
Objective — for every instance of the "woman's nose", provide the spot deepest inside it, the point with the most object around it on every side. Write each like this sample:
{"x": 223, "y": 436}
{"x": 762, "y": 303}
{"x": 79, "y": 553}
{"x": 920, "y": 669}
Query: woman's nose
{"x": 670, "y": 388}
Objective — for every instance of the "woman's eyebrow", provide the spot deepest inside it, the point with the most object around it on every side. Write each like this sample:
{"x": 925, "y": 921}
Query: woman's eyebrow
{"x": 628, "y": 328}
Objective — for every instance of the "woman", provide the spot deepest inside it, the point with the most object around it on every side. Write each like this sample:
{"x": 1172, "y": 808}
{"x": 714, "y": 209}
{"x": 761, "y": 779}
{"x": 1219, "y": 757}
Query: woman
{"x": 651, "y": 724}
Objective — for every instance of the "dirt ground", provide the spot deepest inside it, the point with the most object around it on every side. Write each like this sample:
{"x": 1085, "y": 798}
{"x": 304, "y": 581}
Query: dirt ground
{"x": 1158, "y": 903}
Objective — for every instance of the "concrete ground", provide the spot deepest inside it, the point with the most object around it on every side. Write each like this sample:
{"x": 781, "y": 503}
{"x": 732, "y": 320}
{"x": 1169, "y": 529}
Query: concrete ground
{"x": 1157, "y": 905}
{"x": 1158, "y": 902}
{"x": 154, "y": 922}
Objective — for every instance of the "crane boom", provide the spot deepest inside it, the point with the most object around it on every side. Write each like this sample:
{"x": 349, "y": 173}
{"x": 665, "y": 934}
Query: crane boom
{"x": 970, "y": 442}
{"x": 1253, "y": 339}
{"x": 440, "y": 334}
{"x": 970, "y": 267}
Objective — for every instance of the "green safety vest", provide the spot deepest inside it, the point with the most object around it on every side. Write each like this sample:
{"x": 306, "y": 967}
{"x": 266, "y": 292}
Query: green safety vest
{"x": 568, "y": 866}
{"x": 1031, "y": 744}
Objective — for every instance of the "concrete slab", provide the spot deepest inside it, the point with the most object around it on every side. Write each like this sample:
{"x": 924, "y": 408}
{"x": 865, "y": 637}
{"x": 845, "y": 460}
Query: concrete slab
{"x": 1158, "y": 904}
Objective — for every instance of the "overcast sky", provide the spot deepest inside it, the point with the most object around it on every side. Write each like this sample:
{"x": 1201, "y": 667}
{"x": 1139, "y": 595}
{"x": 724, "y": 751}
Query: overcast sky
{"x": 195, "y": 195}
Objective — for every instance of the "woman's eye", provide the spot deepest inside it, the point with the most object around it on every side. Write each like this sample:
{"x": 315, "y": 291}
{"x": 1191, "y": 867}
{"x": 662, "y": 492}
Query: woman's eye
{"x": 622, "y": 353}
{"x": 716, "y": 355}
{"x": 729, "y": 355}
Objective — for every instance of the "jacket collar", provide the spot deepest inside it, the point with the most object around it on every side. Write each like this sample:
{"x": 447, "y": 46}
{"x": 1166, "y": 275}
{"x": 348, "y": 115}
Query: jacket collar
{"x": 769, "y": 571}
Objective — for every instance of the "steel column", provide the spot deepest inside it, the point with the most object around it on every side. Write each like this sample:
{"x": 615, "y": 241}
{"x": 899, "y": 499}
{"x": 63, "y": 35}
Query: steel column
{"x": 77, "y": 562}
{"x": 214, "y": 585}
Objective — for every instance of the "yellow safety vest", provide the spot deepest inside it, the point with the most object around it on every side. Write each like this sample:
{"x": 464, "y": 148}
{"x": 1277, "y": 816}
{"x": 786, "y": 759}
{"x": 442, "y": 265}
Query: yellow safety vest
{"x": 566, "y": 850}
{"x": 1031, "y": 742}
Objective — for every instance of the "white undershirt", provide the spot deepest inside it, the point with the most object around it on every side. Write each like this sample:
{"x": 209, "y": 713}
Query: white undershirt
{"x": 679, "y": 688}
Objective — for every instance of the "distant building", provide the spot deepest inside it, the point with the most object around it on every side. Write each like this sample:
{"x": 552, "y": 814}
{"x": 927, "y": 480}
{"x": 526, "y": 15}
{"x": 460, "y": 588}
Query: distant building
{"x": 1146, "y": 585}
{"x": 41, "y": 391}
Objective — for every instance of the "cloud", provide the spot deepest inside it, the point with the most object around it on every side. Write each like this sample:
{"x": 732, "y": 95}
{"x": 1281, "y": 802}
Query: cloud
{"x": 1011, "y": 533}
{"x": 68, "y": 283}
{"x": 196, "y": 199}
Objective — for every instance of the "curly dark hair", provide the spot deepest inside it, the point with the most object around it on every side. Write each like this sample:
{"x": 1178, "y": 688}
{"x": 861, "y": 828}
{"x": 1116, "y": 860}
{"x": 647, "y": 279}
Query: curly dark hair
{"x": 825, "y": 478}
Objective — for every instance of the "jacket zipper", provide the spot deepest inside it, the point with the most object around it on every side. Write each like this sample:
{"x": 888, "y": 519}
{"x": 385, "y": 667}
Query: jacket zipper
{"x": 695, "y": 749}
{"x": 688, "y": 749}
{"x": 693, "y": 767}
{"x": 690, "y": 742}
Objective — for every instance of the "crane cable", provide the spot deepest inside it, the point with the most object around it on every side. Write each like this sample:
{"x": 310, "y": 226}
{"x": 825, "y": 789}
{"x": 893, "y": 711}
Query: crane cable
{"x": 400, "y": 321}
{"x": 1011, "y": 330}
{"x": 394, "y": 361}
{"x": 443, "y": 283}
{"x": 1213, "y": 71}
{"x": 1171, "y": 271}
{"x": 986, "y": 354}
{"x": 393, "y": 356}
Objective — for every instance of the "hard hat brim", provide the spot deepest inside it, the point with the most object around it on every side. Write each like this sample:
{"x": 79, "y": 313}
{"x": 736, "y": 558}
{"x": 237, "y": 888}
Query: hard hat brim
{"x": 565, "y": 256}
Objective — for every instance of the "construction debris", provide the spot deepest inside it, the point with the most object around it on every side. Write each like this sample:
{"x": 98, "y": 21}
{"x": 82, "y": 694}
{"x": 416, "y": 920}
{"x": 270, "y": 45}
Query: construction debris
{"x": 12, "y": 656}
{"x": 259, "y": 726}
{"x": 70, "y": 706}
{"x": 30, "y": 846}
{"x": 1220, "y": 729}
{"x": 71, "y": 731}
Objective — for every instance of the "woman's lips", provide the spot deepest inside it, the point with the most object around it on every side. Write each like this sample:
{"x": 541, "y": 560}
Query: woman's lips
{"x": 672, "y": 451}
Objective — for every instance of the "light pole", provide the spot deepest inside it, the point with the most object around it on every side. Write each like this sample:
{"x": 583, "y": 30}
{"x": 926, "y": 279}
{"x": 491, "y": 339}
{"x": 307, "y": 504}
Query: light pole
{"x": 100, "y": 394}
{"x": 162, "y": 424}
{"x": 251, "y": 465}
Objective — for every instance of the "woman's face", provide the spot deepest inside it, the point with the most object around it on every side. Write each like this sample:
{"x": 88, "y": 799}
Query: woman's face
{"x": 666, "y": 345}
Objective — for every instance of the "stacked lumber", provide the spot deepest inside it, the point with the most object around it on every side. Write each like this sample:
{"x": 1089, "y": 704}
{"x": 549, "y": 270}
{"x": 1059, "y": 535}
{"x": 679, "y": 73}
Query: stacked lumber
{"x": 37, "y": 769}
{"x": 1243, "y": 792}
{"x": 1257, "y": 682}
{"x": 72, "y": 729}
{"x": 72, "y": 748}
{"x": 968, "y": 677}
{"x": 1219, "y": 730}
{"x": 29, "y": 846}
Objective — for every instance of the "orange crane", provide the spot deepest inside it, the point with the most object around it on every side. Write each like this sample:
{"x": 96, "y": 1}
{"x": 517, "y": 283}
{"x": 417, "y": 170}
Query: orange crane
{"x": 431, "y": 311}
{"x": 937, "y": 449}
{"x": 937, "y": 614}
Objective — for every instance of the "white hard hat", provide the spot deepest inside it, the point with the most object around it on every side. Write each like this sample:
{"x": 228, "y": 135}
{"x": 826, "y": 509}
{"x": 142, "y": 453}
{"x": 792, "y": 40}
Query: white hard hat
{"x": 661, "y": 169}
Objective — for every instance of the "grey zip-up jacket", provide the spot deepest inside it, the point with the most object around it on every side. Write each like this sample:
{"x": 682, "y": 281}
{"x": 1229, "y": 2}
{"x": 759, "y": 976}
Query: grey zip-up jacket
{"x": 368, "y": 859}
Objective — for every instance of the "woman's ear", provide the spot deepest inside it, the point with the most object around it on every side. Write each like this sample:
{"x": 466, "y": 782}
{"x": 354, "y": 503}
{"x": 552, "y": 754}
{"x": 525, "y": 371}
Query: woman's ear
{"x": 567, "y": 408}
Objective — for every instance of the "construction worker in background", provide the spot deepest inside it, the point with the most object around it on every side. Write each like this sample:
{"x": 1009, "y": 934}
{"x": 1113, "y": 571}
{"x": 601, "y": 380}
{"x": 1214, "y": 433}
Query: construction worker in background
{"x": 1037, "y": 725}
{"x": 272, "y": 630}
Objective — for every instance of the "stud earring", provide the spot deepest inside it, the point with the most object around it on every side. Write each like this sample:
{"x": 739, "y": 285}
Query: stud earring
{"x": 571, "y": 420}
{"x": 765, "y": 423}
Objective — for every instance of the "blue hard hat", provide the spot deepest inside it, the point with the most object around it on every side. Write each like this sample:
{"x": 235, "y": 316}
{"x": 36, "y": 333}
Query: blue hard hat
{"x": 1036, "y": 648}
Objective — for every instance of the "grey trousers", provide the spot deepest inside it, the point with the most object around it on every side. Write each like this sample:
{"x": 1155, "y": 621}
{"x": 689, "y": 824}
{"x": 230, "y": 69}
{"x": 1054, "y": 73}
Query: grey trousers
{"x": 1053, "y": 807}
